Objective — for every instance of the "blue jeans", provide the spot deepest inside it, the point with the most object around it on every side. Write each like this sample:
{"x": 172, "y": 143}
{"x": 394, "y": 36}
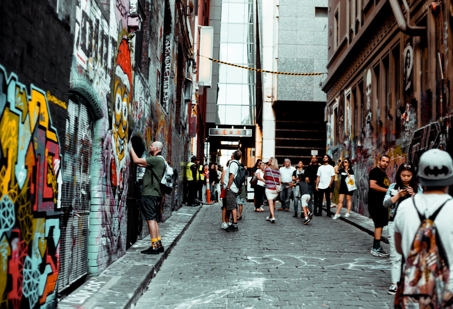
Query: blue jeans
{"x": 285, "y": 195}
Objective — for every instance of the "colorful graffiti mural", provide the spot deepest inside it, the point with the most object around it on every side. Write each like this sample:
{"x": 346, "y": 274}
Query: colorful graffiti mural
{"x": 30, "y": 181}
{"x": 377, "y": 136}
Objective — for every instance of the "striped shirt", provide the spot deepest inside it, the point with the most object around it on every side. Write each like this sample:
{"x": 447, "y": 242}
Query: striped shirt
{"x": 272, "y": 178}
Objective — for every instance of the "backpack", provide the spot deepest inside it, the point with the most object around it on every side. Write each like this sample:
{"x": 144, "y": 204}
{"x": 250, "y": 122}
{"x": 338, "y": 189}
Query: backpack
{"x": 241, "y": 175}
{"x": 166, "y": 182}
{"x": 426, "y": 274}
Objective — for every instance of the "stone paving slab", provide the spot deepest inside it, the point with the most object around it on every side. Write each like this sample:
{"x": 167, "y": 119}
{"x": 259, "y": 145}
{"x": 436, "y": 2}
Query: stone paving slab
{"x": 325, "y": 264}
{"x": 125, "y": 280}
{"x": 123, "y": 283}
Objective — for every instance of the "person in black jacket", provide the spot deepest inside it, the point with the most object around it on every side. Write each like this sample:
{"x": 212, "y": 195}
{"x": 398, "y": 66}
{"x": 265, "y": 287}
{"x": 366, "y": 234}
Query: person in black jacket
{"x": 310, "y": 178}
{"x": 213, "y": 181}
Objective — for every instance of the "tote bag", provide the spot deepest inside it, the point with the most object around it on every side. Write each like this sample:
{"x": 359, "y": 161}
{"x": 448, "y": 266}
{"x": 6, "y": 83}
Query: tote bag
{"x": 350, "y": 183}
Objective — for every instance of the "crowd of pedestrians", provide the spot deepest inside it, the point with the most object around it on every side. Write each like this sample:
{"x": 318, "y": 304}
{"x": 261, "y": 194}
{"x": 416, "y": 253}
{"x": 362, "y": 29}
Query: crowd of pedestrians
{"x": 390, "y": 204}
{"x": 416, "y": 208}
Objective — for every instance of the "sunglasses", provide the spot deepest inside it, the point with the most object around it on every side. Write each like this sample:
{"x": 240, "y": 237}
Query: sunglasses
{"x": 407, "y": 165}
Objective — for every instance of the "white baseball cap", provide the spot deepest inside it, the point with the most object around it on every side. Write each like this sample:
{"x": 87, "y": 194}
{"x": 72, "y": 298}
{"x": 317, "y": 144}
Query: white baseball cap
{"x": 435, "y": 168}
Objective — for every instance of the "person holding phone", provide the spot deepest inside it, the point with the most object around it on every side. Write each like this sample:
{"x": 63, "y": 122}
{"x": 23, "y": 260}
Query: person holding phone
{"x": 406, "y": 186}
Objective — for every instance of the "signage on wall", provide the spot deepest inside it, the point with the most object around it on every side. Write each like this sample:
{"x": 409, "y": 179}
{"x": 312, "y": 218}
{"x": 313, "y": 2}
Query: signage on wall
{"x": 230, "y": 132}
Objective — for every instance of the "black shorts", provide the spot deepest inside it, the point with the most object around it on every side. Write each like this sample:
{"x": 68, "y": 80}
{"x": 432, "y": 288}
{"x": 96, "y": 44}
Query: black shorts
{"x": 379, "y": 214}
{"x": 150, "y": 208}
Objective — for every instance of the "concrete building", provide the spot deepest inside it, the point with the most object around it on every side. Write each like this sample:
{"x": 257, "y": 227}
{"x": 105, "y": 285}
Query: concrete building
{"x": 388, "y": 85}
{"x": 285, "y": 113}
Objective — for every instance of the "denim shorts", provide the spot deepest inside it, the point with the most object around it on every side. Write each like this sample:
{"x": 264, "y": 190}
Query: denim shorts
{"x": 230, "y": 200}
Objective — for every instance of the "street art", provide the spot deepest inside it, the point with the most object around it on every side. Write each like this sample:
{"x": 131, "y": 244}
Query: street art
{"x": 30, "y": 184}
{"x": 404, "y": 143}
{"x": 116, "y": 160}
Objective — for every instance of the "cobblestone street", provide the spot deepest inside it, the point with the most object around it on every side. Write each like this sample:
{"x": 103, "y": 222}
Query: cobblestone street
{"x": 325, "y": 264}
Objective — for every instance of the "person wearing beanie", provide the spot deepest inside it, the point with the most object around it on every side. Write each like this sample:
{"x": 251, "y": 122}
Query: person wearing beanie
{"x": 435, "y": 175}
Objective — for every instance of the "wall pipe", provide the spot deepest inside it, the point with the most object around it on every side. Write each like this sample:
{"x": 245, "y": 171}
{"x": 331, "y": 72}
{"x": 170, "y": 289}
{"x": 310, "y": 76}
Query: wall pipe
{"x": 403, "y": 24}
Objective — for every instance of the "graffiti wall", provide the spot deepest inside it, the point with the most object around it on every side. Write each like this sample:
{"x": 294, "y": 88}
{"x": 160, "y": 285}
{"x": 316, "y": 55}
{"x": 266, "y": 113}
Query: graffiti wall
{"x": 30, "y": 207}
{"x": 382, "y": 128}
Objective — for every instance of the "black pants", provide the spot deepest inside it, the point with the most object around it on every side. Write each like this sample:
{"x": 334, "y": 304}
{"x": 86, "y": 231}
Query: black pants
{"x": 259, "y": 195}
{"x": 318, "y": 205}
{"x": 192, "y": 189}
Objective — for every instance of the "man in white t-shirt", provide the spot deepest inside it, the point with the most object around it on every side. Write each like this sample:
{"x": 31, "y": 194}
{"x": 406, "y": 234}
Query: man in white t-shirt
{"x": 435, "y": 174}
{"x": 232, "y": 190}
{"x": 286, "y": 174}
{"x": 324, "y": 181}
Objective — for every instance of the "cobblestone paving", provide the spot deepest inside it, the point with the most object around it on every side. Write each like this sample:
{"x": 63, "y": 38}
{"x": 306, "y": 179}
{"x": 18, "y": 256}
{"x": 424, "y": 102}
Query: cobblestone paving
{"x": 325, "y": 264}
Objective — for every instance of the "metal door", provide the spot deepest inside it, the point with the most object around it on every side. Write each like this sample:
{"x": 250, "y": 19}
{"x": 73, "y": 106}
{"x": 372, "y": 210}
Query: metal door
{"x": 75, "y": 194}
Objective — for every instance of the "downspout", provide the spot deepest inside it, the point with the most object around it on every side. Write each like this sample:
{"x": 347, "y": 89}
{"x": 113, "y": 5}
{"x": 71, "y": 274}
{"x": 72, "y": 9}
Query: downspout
{"x": 403, "y": 24}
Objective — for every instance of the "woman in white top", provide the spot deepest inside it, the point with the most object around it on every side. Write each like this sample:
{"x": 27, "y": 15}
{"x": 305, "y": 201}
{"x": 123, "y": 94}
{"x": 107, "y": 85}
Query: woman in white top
{"x": 260, "y": 187}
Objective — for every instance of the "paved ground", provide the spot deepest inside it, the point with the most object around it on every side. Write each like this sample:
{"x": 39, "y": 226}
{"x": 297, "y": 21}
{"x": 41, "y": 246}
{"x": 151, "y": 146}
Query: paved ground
{"x": 123, "y": 282}
{"x": 285, "y": 265}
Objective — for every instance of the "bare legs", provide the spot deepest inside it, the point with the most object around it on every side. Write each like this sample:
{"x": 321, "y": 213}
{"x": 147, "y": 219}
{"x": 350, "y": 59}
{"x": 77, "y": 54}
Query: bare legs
{"x": 271, "y": 208}
{"x": 340, "y": 203}
{"x": 153, "y": 227}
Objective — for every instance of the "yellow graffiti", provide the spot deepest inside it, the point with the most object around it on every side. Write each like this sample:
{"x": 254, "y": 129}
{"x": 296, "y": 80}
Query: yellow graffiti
{"x": 24, "y": 214}
{"x": 39, "y": 112}
{"x": 9, "y": 137}
{"x": 56, "y": 101}
{"x": 51, "y": 177}
{"x": 122, "y": 108}
{"x": 39, "y": 241}
{"x": 5, "y": 252}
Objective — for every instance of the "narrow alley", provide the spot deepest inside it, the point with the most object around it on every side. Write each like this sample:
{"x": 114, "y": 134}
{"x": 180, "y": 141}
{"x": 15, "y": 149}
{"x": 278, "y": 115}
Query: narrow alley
{"x": 325, "y": 264}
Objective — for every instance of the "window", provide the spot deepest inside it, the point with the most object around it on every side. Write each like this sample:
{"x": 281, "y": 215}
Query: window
{"x": 321, "y": 12}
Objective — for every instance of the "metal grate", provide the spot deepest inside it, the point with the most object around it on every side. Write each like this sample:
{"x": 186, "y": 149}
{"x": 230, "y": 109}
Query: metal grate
{"x": 75, "y": 194}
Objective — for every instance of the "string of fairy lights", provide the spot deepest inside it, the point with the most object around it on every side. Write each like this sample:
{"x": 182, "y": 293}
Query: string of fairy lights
{"x": 264, "y": 71}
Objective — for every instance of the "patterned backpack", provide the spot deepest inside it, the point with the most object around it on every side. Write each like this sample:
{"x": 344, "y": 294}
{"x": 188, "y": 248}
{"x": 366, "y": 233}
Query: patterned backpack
{"x": 425, "y": 276}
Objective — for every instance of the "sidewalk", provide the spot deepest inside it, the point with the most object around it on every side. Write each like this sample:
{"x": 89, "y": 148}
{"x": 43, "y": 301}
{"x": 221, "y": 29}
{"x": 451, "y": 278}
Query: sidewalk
{"x": 124, "y": 281}
{"x": 363, "y": 223}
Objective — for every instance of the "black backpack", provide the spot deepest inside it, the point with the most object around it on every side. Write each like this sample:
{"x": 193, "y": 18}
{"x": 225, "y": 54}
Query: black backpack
{"x": 241, "y": 175}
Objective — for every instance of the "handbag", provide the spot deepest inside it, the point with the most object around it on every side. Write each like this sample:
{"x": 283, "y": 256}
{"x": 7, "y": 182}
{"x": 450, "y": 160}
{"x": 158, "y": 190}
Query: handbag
{"x": 222, "y": 193}
{"x": 253, "y": 182}
{"x": 350, "y": 183}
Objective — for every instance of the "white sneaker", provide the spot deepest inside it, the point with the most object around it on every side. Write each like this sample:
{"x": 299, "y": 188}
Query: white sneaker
{"x": 336, "y": 216}
{"x": 224, "y": 225}
{"x": 268, "y": 218}
{"x": 230, "y": 223}
{"x": 347, "y": 215}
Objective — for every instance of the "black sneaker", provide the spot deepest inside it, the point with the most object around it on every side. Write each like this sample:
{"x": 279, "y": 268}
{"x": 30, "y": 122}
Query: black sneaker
{"x": 310, "y": 215}
{"x": 150, "y": 250}
{"x": 232, "y": 228}
{"x": 306, "y": 221}
{"x": 161, "y": 249}
{"x": 295, "y": 215}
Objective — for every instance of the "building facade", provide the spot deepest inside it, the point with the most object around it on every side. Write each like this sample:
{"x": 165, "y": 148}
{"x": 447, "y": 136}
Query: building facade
{"x": 78, "y": 82}
{"x": 388, "y": 83}
{"x": 293, "y": 39}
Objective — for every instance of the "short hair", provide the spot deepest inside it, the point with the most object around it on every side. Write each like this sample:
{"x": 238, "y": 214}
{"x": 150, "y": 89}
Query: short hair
{"x": 158, "y": 145}
{"x": 287, "y": 159}
{"x": 384, "y": 155}
{"x": 237, "y": 154}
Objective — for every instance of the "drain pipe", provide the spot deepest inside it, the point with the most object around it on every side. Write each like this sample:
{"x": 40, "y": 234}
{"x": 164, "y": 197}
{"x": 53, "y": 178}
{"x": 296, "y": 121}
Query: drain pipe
{"x": 403, "y": 24}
